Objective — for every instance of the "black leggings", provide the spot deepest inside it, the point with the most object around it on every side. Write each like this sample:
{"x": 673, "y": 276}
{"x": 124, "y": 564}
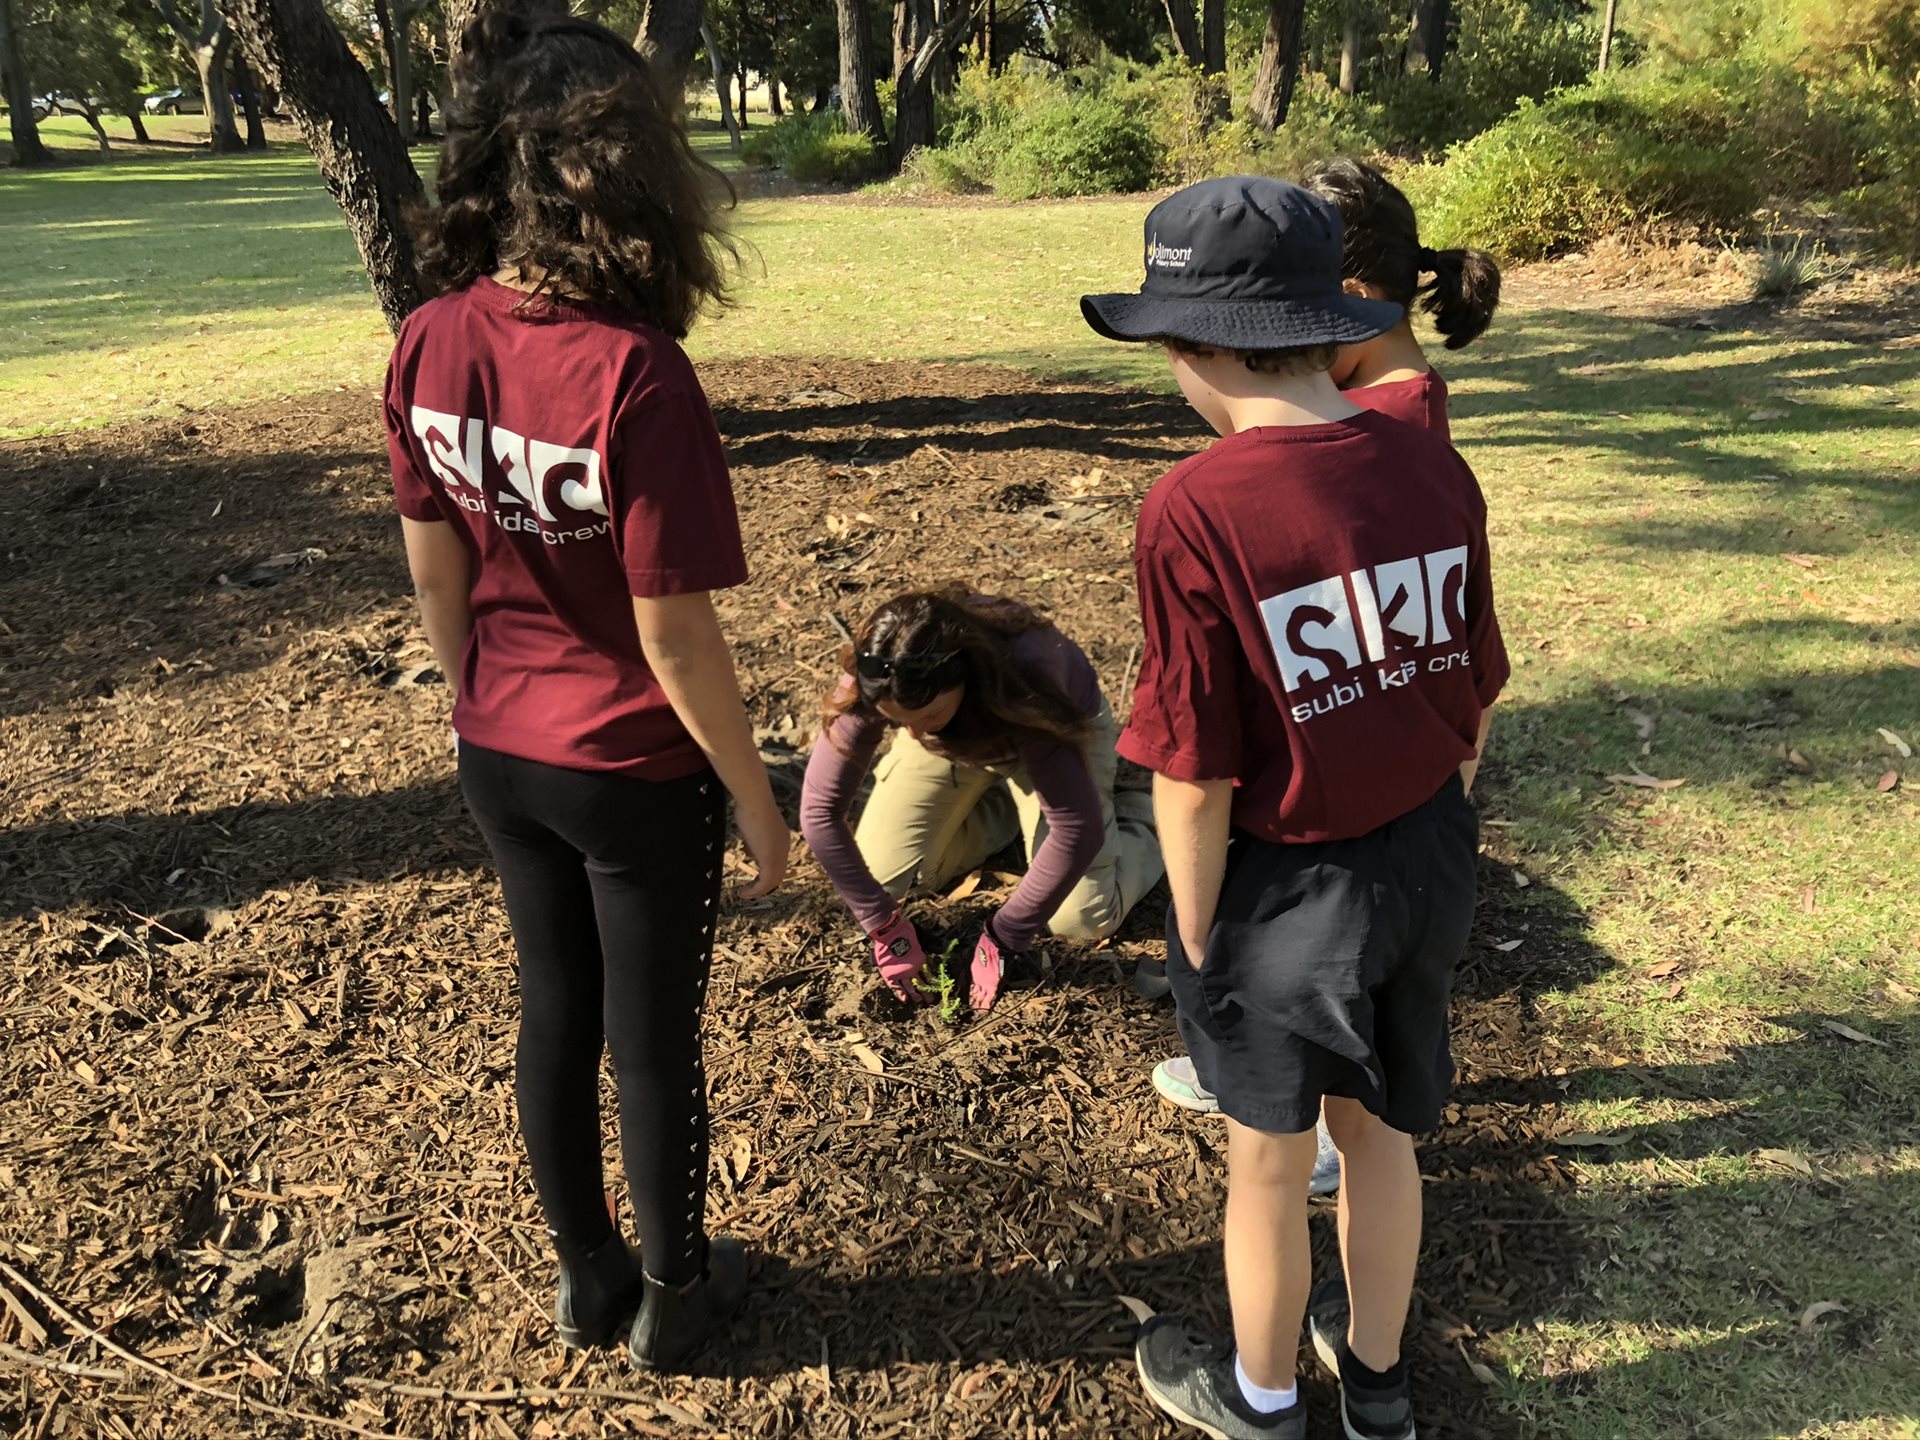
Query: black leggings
{"x": 612, "y": 885}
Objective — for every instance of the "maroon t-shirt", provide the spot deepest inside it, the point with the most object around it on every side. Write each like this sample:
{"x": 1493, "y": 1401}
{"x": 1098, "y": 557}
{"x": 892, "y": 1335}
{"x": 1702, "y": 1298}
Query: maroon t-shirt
{"x": 1419, "y": 400}
{"x": 1319, "y": 624}
{"x": 575, "y": 452}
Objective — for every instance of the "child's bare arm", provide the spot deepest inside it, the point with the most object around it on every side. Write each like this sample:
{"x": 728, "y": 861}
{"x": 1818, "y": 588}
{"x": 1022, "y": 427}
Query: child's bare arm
{"x": 1194, "y": 818}
{"x": 1472, "y": 768}
{"x": 442, "y": 579}
{"x": 694, "y": 665}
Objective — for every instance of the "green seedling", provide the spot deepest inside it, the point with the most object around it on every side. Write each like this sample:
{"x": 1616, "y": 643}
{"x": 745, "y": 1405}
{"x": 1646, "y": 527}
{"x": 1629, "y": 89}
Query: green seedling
{"x": 938, "y": 984}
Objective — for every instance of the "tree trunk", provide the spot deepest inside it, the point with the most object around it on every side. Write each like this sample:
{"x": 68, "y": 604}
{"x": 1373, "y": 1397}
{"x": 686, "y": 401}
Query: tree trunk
{"x": 99, "y": 130}
{"x": 774, "y": 107}
{"x": 394, "y": 19}
{"x": 1186, "y": 30}
{"x": 1606, "y": 38}
{"x": 295, "y": 47}
{"x": 422, "y": 116}
{"x": 913, "y": 126}
{"x": 210, "y": 60}
{"x": 249, "y": 103}
{"x": 990, "y": 37}
{"x": 1350, "y": 49}
{"x": 859, "y": 102}
{"x": 1279, "y": 64}
{"x": 1213, "y": 36}
{"x": 668, "y": 39}
{"x": 1420, "y": 37}
{"x": 721, "y": 66}
{"x": 28, "y": 148}
{"x": 139, "y": 123}
{"x": 822, "y": 97}
{"x": 741, "y": 76}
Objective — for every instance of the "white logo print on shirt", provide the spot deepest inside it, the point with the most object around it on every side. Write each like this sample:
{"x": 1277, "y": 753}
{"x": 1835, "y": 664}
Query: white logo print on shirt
{"x": 1324, "y": 634}
{"x": 534, "y": 471}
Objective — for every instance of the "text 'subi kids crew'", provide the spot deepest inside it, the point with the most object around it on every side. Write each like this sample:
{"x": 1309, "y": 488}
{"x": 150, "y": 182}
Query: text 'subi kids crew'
{"x": 567, "y": 510}
{"x": 1321, "y": 652}
{"x": 1381, "y": 259}
{"x": 1004, "y": 734}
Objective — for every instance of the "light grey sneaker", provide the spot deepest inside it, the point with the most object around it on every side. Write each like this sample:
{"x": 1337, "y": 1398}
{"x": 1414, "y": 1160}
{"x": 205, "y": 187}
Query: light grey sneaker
{"x": 1190, "y": 1376}
{"x": 1150, "y": 980}
{"x": 1177, "y": 1082}
{"x": 1365, "y": 1413}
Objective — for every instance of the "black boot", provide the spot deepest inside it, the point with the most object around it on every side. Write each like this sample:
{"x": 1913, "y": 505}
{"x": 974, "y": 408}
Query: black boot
{"x": 673, "y": 1320}
{"x": 600, "y": 1290}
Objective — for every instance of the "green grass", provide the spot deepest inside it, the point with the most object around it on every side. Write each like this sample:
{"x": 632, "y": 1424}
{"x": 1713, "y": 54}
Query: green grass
{"x": 1645, "y": 485}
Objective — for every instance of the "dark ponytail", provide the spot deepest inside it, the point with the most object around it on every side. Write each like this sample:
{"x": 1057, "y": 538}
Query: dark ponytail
{"x": 1383, "y": 251}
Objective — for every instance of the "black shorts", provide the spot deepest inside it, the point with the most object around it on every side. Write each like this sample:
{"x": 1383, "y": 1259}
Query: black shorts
{"x": 1329, "y": 970}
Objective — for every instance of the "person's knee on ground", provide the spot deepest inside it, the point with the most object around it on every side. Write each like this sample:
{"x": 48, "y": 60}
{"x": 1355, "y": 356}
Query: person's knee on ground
{"x": 1093, "y": 916}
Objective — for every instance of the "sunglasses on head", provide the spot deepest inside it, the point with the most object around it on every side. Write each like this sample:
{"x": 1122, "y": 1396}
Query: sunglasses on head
{"x": 907, "y": 669}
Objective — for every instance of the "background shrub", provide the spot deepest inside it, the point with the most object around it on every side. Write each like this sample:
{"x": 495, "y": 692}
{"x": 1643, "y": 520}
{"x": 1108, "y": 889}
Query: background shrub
{"x": 811, "y": 148}
{"x": 1076, "y": 145}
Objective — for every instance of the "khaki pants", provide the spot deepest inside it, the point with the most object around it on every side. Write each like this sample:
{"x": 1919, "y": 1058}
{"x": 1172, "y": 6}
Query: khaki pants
{"x": 930, "y": 821}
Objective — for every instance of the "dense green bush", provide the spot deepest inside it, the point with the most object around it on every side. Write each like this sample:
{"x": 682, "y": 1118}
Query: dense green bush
{"x": 811, "y": 148}
{"x": 1076, "y": 145}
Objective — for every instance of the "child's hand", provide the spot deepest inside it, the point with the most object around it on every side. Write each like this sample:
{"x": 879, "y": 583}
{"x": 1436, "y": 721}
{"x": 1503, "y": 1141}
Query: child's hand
{"x": 898, "y": 955}
{"x": 764, "y": 832}
{"x": 989, "y": 968}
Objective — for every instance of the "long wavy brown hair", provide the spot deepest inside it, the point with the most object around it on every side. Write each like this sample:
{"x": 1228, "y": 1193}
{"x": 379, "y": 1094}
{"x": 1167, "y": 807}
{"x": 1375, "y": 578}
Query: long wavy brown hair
{"x": 563, "y": 158}
{"x": 1006, "y": 705}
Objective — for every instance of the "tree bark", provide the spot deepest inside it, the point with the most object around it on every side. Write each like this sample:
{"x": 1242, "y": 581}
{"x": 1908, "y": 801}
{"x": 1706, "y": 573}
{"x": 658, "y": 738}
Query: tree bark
{"x": 294, "y": 45}
{"x": 740, "y": 74}
{"x": 668, "y": 39}
{"x": 774, "y": 107}
{"x": 859, "y": 101}
{"x": 208, "y": 43}
{"x": 721, "y": 67}
{"x": 1350, "y": 49}
{"x": 1185, "y": 27}
{"x": 394, "y": 20}
{"x": 1606, "y": 38}
{"x": 99, "y": 130}
{"x": 139, "y": 123}
{"x": 1279, "y": 64}
{"x": 422, "y": 116}
{"x": 28, "y": 148}
{"x": 913, "y": 126}
{"x": 1213, "y": 36}
{"x": 249, "y": 103}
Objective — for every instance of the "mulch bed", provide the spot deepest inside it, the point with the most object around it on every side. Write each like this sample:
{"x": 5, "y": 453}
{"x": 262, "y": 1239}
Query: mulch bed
{"x": 258, "y": 1005}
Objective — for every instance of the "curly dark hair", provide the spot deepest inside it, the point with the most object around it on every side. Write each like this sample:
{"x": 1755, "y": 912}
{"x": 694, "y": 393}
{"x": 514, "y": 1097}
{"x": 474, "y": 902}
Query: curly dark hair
{"x": 564, "y": 159}
{"x": 1383, "y": 250}
{"x": 965, "y": 639}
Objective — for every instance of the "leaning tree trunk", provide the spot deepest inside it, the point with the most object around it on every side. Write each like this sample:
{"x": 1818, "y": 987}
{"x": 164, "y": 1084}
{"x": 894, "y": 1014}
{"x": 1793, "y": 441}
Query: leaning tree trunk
{"x": 28, "y": 148}
{"x": 1425, "y": 37}
{"x": 916, "y": 42}
{"x": 295, "y": 46}
{"x": 859, "y": 101}
{"x": 669, "y": 36}
{"x": 139, "y": 123}
{"x": 722, "y": 66}
{"x": 249, "y": 103}
{"x": 209, "y": 43}
{"x": 1606, "y": 38}
{"x": 1185, "y": 27}
{"x": 99, "y": 130}
{"x": 1279, "y": 64}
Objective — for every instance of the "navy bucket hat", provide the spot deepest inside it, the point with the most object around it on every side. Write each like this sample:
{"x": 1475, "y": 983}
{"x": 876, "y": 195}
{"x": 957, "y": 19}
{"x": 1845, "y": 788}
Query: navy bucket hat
{"x": 1244, "y": 263}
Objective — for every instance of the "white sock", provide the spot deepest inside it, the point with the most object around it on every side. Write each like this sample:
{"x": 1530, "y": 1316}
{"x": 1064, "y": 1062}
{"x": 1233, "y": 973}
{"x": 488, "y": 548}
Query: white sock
{"x": 1267, "y": 1402}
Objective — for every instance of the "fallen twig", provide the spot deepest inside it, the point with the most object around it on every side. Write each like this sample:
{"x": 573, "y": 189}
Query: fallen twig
{"x": 234, "y": 1397}
{"x": 63, "y": 1367}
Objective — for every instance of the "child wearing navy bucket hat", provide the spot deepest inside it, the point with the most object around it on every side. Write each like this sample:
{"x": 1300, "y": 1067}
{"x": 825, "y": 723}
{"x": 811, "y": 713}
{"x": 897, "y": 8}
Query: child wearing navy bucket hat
{"x": 1320, "y": 657}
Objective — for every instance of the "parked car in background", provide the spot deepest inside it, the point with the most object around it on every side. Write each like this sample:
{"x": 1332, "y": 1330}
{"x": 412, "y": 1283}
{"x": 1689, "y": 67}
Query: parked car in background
{"x": 175, "y": 102}
{"x": 45, "y": 105}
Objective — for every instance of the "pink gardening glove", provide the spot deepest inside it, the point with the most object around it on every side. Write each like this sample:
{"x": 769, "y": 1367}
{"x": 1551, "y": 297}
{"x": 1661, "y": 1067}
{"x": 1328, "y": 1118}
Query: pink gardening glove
{"x": 988, "y": 968}
{"x": 897, "y": 954}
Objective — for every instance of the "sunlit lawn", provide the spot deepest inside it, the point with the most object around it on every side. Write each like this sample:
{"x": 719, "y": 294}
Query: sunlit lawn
{"x": 1709, "y": 574}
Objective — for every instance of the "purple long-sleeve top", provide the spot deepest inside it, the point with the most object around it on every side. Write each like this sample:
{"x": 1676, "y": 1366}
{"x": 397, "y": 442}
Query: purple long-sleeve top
{"x": 1076, "y": 833}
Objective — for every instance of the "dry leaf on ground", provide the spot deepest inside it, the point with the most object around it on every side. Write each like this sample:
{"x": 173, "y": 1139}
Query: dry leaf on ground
{"x": 1786, "y": 1160}
{"x": 1847, "y": 1032}
{"x": 1893, "y": 739}
{"x": 1813, "y": 1312}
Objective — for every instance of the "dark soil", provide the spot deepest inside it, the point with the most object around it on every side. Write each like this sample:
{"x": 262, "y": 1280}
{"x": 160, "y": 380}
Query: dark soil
{"x": 258, "y": 1004}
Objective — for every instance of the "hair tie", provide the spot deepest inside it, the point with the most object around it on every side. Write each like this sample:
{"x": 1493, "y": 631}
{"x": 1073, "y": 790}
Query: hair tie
{"x": 1427, "y": 260}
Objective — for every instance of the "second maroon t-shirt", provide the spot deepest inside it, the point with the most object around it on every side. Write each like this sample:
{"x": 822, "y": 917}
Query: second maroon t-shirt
{"x": 1419, "y": 400}
{"x": 1319, "y": 624}
{"x": 575, "y": 452}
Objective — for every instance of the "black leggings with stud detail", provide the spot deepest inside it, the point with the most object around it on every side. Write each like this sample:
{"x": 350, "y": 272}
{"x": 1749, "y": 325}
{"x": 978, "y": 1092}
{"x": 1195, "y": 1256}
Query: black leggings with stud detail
{"x": 612, "y": 886}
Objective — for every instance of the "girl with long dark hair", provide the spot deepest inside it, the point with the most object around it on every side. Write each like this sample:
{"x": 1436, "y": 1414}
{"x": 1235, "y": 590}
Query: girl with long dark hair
{"x": 567, "y": 511}
{"x": 1003, "y": 734}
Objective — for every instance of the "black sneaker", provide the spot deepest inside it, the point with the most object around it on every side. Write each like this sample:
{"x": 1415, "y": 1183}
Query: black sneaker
{"x": 599, "y": 1291}
{"x": 1367, "y": 1412}
{"x": 1191, "y": 1377}
{"x": 675, "y": 1319}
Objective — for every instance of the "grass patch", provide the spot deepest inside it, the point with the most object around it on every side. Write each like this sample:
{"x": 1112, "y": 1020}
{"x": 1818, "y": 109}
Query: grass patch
{"x": 1708, "y": 570}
